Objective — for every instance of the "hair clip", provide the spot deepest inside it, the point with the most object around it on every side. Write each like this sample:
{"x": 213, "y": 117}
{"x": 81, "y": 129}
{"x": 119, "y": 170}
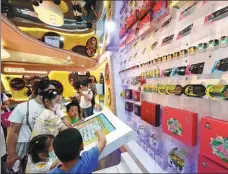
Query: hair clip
{"x": 54, "y": 92}
{"x": 37, "y": 142}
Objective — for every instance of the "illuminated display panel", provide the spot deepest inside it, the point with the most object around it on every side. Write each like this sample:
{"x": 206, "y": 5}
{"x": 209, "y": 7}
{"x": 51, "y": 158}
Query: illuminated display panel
{"x": 87, "y": 128}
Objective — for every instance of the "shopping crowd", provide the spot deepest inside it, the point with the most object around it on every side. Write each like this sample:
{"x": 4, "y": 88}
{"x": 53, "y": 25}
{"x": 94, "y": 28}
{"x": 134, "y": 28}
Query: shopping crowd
{"x": 41, "y": 134}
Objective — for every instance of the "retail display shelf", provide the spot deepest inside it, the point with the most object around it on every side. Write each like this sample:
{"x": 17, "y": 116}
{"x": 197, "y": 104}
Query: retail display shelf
{"x": 143, "y": 158}
{"x": 132, "y": 101}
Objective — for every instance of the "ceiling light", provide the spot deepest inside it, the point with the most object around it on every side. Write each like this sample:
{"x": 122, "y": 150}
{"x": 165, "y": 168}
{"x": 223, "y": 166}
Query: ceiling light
{"x": 4, "y": 54}
{"x": 82, "y": 65}
{"x": 61, "y": 38}
{"x": 68, "y": 58}
{"x": 23, "y": 60}
{"x": 110, "y": 26}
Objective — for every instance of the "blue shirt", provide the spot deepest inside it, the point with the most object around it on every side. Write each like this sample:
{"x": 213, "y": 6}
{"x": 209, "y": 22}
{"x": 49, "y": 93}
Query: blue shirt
{"x": 86, "y": 164}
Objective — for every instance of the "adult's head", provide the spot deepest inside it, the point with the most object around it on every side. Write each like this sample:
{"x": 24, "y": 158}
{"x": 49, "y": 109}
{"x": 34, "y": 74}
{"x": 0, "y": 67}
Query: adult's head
{"x": 42, "y": 86}
{"x": 93, "y": 79}
{"x": 72, "y": 142}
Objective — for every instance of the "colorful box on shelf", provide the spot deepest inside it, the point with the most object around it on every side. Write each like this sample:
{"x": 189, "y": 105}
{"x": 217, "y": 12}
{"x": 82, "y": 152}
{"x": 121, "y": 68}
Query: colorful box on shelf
{"x": 144, "y": 24}
{"x": 180, "y": 124}
{"x": 136, "y": 95}
{"x": 206, "y": 165}
{"x": 137, "y": 110}
{"x": 129, "y": 106}
{"x": 122, "y": 32}
{"x": 150, "y": 113}
{"x": 130, "y": 37}
{"x": 131, "y": 20}
{"x": 214, "y": 140}
{"x": 128, "y": 93}
{"x": 180, "y": 161}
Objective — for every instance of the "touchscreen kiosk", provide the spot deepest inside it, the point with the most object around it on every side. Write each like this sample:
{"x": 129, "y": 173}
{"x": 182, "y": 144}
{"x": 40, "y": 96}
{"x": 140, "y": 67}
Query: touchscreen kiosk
{"x": 117, "y": 133}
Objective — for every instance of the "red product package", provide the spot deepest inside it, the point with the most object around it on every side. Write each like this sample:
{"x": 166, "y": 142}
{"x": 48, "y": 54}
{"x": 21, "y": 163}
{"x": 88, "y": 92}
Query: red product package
{"x": 122, "y": 44}
{"x": 131, "y": 20}
{"x": 141, "y": 12}
{"x": 147, "y": 19}
{"x": 130, "y": 37}
{"x": 180, "y": 124}
{"x": 206, "y": 165}
{"x": 214, "y": 140}
{"x": 150, "y": 113}
{"x": 122, "y": 32}
{"x": 149, "y": 3}
{"x": 136, "y": 95}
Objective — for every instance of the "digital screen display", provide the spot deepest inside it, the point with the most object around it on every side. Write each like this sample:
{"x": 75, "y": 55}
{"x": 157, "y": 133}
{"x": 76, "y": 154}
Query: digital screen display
{"x": 52, "y": 40}
{"x": 88, "y": 128}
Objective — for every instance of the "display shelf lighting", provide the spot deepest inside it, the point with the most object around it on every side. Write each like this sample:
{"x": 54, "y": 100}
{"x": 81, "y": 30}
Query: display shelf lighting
{"x": 110, "y": 26}
{"x": 4, "y": 53}
{"x": 68, "y": 58}
{"x": 61, "y": 38}
{"x": 22, "y": 70}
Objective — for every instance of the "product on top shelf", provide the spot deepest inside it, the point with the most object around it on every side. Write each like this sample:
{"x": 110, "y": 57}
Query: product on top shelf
{"x": 220, "y": 66}
{"x": 217, "y": 91}
{"x": 128, "y": 93}
{"x": 214, "y": 140}
{"x": 137, "y": 110}
{"x": 205, "y": 165}
{"x": 212, "y": 44}
{"x": 180, "y": 124}
{"x": 129, "y": 106}
{"x": 122, "y": 32}
{"x": 195, "y": 90}
{"x": 150, "y": 113}
{"x": 180, "y": 161}
{"x": 223, "y": 41}
{"x": 202, "y": 47}
{"x": 178, "y": 71}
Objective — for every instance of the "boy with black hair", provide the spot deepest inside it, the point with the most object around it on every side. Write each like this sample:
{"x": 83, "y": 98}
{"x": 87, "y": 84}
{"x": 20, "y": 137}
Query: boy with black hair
{"x": 70, "y": 157}
{"x": 73, "y": 111}
{"x": 86, "y": 96}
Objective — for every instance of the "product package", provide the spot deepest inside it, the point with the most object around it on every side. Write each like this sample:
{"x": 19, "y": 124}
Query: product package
{"x": 220, "y": 66}
{"x": 131, "y": 20}
{"x": 214, "y": 140}
{"x": 137, "y": 110}
{"x": 206, "y": 165}
{"x": 136, "y": 95}
{"x": 129, "y": 106}
{"x": 151, "y": 113}
{"x": 217, "y": 92}
{"x": 180, "y": 124}
{"x": 180, "y": 161}
{"x": 128, "y": 93}
{"x": 195, "y": 68}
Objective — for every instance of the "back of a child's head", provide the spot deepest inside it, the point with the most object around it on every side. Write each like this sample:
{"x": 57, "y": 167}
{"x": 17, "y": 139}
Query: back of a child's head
{"x": 68, "y": 144}
{"x": 39, "y": 145}
{"x": 84, "y": 83}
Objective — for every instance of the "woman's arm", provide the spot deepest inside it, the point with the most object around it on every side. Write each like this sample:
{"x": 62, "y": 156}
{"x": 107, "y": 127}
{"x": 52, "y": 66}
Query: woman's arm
{"x": 55, "y": 163}
{"x": 11, "y": 143}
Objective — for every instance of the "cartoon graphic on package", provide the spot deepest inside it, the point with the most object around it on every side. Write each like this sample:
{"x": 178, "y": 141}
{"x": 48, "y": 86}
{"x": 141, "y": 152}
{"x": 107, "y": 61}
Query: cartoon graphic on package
{"x": 219, "y": 147}
{"x": 162, "y": 89}
{"x": 174, "y": 126}
{"x": 166, "y": 73}
{"x": 223, "y": 41}
{"x": 217, "y": 92}
{"x": 155, "y": 142}
{"x": 214, "y": 140}
{"x": 176, "y": 160}
{"x": 202, "y": 47}
{"x": 195, "y": 90}
{"x": 195, "y": 68}
{"x": 178, "y": 71}
{"x": 174, "y": 89}
{"x": 220, "y": 66}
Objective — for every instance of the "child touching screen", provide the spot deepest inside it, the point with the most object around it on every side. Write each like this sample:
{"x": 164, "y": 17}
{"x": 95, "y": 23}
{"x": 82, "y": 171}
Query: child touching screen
{"x": 67, "y": 149}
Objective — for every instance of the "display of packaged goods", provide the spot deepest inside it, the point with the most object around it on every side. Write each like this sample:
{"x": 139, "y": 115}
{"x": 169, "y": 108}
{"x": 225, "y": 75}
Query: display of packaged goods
{"x": 205, "y": 165}
{"x": 136, "y": 95}
{"x": 202, "y": 47}
{"x": 214, "y": 140}
{"x": 150, "y": 113}
{"x": 162, "y": 89}
{"x": 195, "y": 68}
{"x": 129, "y": 106}
{"x": 128, "y": 93}
{"x": 195, "y": 90}
{"x": 155, "y": 142}
{"x": 220, "y": 66}
{"x": 137, "y": 110}
{"x": 180, "y": 161}
{"x": 180, "y": 124}
{"x": 217, "y": 91}
{"x": 223, "y": 41}
{"x": 174, "y": 90}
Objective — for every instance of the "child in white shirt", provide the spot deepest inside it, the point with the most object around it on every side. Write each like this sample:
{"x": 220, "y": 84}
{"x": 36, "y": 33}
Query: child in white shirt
{"x": 86, "y": 96}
